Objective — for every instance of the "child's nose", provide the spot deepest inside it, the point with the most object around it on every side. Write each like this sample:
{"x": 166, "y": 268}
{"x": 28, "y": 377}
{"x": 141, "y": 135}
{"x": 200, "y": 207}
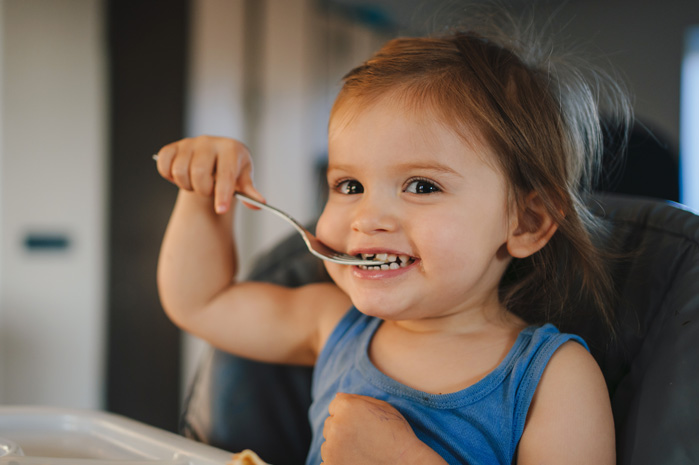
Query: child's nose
{"x": 372, "y": 216}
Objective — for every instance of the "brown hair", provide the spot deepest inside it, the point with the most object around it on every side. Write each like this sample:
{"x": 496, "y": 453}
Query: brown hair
{"x": 542, "y": 118}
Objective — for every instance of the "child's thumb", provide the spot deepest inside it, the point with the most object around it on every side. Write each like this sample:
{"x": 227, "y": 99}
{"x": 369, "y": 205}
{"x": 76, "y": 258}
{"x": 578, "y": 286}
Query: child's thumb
{"x": 246, "y": 186}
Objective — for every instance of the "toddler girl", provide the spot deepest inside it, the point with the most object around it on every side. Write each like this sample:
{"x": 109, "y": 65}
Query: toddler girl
{"x": 460, "y": 160}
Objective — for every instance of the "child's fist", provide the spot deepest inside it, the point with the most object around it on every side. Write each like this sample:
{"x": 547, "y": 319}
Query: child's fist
{"x": 362, "y": 429}
{"x": 210, "y": 166}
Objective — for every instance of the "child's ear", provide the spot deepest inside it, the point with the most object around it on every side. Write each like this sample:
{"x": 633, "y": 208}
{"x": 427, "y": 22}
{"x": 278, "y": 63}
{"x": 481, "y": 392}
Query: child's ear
{"x": 531, "y": 229}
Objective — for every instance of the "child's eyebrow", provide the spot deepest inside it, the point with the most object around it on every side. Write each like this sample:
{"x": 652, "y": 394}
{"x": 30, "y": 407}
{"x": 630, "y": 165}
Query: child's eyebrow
{"x": 427, "y": 166}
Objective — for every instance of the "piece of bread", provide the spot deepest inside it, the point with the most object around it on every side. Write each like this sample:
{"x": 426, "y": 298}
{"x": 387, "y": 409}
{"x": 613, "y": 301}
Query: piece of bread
{"x": 247, "y": 457}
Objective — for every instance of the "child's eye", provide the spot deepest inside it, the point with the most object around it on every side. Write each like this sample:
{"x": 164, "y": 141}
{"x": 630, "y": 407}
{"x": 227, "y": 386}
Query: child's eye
{"x": 349, "y": 186}
{"x": 422, "y": 186}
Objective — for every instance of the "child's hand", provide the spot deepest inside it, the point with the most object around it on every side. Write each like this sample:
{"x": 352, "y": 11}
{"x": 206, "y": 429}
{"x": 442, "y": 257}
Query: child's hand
{"x": 362, "y": 429}
{"x": 210, "y": 166}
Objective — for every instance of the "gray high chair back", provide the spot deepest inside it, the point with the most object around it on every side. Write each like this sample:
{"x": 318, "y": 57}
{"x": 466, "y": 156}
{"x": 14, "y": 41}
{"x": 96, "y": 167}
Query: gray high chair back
{"x": 651, "y": 369}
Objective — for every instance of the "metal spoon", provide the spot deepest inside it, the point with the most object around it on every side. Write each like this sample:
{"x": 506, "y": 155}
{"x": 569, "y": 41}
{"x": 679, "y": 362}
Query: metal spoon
{"x": 316, "y": 247}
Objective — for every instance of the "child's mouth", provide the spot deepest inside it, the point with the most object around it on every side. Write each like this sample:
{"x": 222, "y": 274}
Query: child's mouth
{"x": 394, "y": 261}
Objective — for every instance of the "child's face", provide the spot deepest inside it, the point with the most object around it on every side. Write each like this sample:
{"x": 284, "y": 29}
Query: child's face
{"x": 403, "y": 184}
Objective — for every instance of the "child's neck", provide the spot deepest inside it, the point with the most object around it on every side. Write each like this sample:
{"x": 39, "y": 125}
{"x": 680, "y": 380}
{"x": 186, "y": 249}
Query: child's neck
{"x": 433, "y": 358}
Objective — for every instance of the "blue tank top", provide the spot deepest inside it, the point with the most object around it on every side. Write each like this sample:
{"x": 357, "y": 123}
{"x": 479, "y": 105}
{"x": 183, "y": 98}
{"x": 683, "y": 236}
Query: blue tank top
{"x": 481, "y": 424}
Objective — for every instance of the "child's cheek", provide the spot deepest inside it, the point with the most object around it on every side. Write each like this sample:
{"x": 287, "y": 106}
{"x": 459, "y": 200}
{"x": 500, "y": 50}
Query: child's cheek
{"x": 334, "y": 271}
{"x": 329, "y": 230}
{"x": 322, "y": 232}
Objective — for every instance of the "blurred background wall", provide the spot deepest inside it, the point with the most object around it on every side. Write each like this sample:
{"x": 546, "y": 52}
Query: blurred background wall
{"x": 53, "y": 200}
{"x": 89, "y": 89}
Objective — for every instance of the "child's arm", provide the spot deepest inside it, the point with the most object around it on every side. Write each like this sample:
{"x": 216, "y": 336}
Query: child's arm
{"x": 197, "y": 264}
{"x": 570, "y": 419}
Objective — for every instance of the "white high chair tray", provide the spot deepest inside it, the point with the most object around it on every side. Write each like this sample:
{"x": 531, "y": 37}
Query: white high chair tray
{"x": 56, "y": 436}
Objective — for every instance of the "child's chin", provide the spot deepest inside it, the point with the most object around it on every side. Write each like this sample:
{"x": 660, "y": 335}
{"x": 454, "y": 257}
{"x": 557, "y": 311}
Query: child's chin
{"x": 378, "y": 311}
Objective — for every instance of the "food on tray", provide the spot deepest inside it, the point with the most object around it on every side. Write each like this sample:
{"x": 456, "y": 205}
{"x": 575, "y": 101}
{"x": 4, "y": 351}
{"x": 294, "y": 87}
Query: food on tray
{"x": 247, "y": 457}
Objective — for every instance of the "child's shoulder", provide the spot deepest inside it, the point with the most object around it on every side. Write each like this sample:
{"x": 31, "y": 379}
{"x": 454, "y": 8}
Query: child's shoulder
{"x": 571, "y": 361}
{"x": 570, "y": 409}
{"x": 561, "y": 362}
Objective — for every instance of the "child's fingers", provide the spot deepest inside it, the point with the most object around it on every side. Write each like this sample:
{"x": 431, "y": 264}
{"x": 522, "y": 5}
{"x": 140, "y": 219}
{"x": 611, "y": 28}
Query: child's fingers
{"x": 224, "y": 186}
{"x": 209, "y": 166}
{"x": 202, "y": 170}
{"x": 246, "y": 186}
{"x": 180, "y": 166}
{"x": 228, "y": 181}
{"x": 164, "y": 160}
{"x": 233, "y": 173}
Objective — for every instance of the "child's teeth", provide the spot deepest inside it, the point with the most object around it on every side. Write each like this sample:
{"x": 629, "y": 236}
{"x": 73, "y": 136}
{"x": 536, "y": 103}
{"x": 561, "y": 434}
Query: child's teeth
{"x": 399, "y": 262}
{"x": 391, "y": 261}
